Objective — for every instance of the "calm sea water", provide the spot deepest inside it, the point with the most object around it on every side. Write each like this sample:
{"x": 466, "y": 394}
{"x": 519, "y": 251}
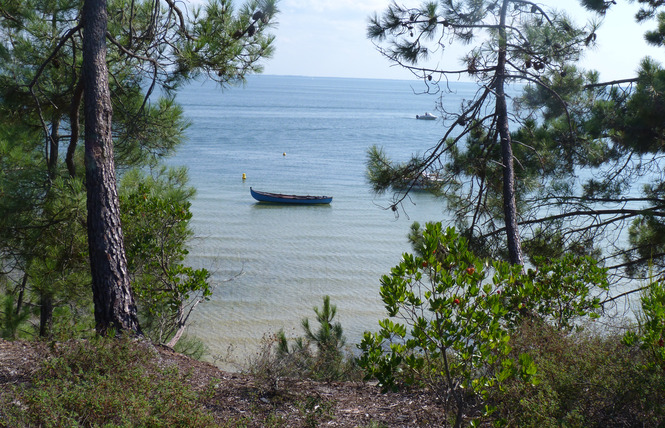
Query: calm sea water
{"x": 272, "y": 264}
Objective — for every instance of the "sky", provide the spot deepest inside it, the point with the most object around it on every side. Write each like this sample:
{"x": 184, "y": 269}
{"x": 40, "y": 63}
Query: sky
{"x": 328, "y": 38}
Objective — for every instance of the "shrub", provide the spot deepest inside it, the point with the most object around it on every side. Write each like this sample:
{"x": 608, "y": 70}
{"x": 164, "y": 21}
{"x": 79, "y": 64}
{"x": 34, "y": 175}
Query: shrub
{"x": 651, "y": 333}
{"x": 318, "y": 355}
{"x": 103, "y": 382}
{"x": 156, "y": 219}
{"x": 11, "y": 322}
{"x": 587, "y": 379}
{"x": 456, "y": 314}
{"x": 269, "y": 365}
{"x": 327, "y": 361}
{"x": 560, "y": 291}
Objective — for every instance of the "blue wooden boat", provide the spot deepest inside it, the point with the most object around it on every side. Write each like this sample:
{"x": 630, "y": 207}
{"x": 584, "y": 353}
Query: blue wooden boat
{"x": 289, "y": 199}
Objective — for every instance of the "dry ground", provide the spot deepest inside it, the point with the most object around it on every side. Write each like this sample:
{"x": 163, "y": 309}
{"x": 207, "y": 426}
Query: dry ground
{"x": 241, "y": 400}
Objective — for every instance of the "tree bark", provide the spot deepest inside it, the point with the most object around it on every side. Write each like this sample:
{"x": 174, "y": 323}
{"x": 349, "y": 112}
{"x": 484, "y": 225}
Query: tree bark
{"x": 21, "y": 292}
{"x": 53, "y": 141}
{"x": 509, "y": 205}
{"x": 45, "y": 315}
{"x": 74, "y": 123}
{"x": 114, "y": 303}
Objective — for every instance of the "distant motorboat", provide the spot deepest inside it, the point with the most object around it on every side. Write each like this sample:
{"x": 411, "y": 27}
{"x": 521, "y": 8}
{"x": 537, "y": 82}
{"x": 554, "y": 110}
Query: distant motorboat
{"x": 426, "y": 116}
{"x": 424, "y": 181}
{"x": 289, "y": 199}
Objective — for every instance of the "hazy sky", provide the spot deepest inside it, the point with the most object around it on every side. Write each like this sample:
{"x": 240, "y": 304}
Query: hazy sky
{"x": 328, "y": 38}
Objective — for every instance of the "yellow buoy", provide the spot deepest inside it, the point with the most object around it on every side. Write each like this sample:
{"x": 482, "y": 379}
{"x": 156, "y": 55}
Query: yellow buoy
{"x": 244, "y": 177}
{"x": 284, "y": 154}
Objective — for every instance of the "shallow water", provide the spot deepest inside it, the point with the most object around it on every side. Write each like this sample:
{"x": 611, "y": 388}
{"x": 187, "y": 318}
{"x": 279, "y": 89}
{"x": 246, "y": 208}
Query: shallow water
{"x": 272, "y": 264}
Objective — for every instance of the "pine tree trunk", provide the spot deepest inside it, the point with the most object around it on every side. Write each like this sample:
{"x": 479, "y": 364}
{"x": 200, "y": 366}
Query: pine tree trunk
{"x": 45, "y": 315}
{"x": 112, "y": 295}
{"x": 509, "y": 204}
{"x": 75, "y": 127}
{"x": 54, "y": 145}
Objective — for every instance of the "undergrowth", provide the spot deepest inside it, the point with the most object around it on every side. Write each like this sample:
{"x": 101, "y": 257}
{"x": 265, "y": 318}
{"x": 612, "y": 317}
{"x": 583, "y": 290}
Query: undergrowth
{"x": 587, "y": 379}
{"x": 103, "y": 382}
{"x": 318, "y": 355}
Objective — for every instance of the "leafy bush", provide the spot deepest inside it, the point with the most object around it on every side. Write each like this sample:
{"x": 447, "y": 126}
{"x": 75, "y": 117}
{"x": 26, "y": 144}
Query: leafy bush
{"x": 156, "y": 223}
{"x": 587, "y": 379}
{"x": 560, "y": 291}
{"x": 103, "y": 382}
{"x": 651, "y": 333}
{"x": 458, "y": 313}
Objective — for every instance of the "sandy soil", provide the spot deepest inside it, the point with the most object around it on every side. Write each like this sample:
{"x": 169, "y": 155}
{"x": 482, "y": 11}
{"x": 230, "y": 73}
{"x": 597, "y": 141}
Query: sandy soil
{"x": 241, "y": 400}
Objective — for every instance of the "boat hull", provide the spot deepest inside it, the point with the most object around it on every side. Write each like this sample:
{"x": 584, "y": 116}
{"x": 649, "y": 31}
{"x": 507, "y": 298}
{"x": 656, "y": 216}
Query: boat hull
{"x": 279, "y": 198}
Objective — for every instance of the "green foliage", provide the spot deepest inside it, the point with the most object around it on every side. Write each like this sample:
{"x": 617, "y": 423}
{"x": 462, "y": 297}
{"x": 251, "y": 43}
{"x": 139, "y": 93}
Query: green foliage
{"x": 583, "y": 147}
{"x": 104, "y": 382}
{"x": 643, "y": 126}
{"x": 597, "y": 5}
{"x": 384, "y": 175}
{"x": 134, "y": 145}
{"x": 452, "y": 316}
{"x": 456, "y": 340}
{"x": 227, "y": 44}
{"x": 318, "y": 355}
{"x": 600, "y": 152}
{"x": 657, "y": 37}
{"x": 651, "y": 333}
{"x": 11, "y": 320}
{"x": 42, "y": 208}
{"x": 473, "y": 160}
{"x": 329, "y": 338}
{"x": 44, "y": 238}
{"x": 73, "y": 319}
{"x": 328, "y": 362}
{"x": 193, "y": 347}
{"x": 548, "y": 242}
{"x": 156, "y": 215}
{"x": 43, "y": 250}
{"x": 561, "y": 291}
{"x": 646, "y": 237}
{"x": 379, "y": 170}
{"x": 587, "y": 379}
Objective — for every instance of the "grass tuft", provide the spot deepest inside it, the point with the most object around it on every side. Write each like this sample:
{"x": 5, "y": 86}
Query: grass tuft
{"x": 103, "y": 382}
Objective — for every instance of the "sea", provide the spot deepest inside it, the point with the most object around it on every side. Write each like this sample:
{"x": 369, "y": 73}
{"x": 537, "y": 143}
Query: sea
{"x": 272, "y": 264}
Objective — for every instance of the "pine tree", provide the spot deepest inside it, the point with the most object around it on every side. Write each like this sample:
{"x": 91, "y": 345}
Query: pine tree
{"x": 115, "y": 56}
{"x": 511, "y": 41}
